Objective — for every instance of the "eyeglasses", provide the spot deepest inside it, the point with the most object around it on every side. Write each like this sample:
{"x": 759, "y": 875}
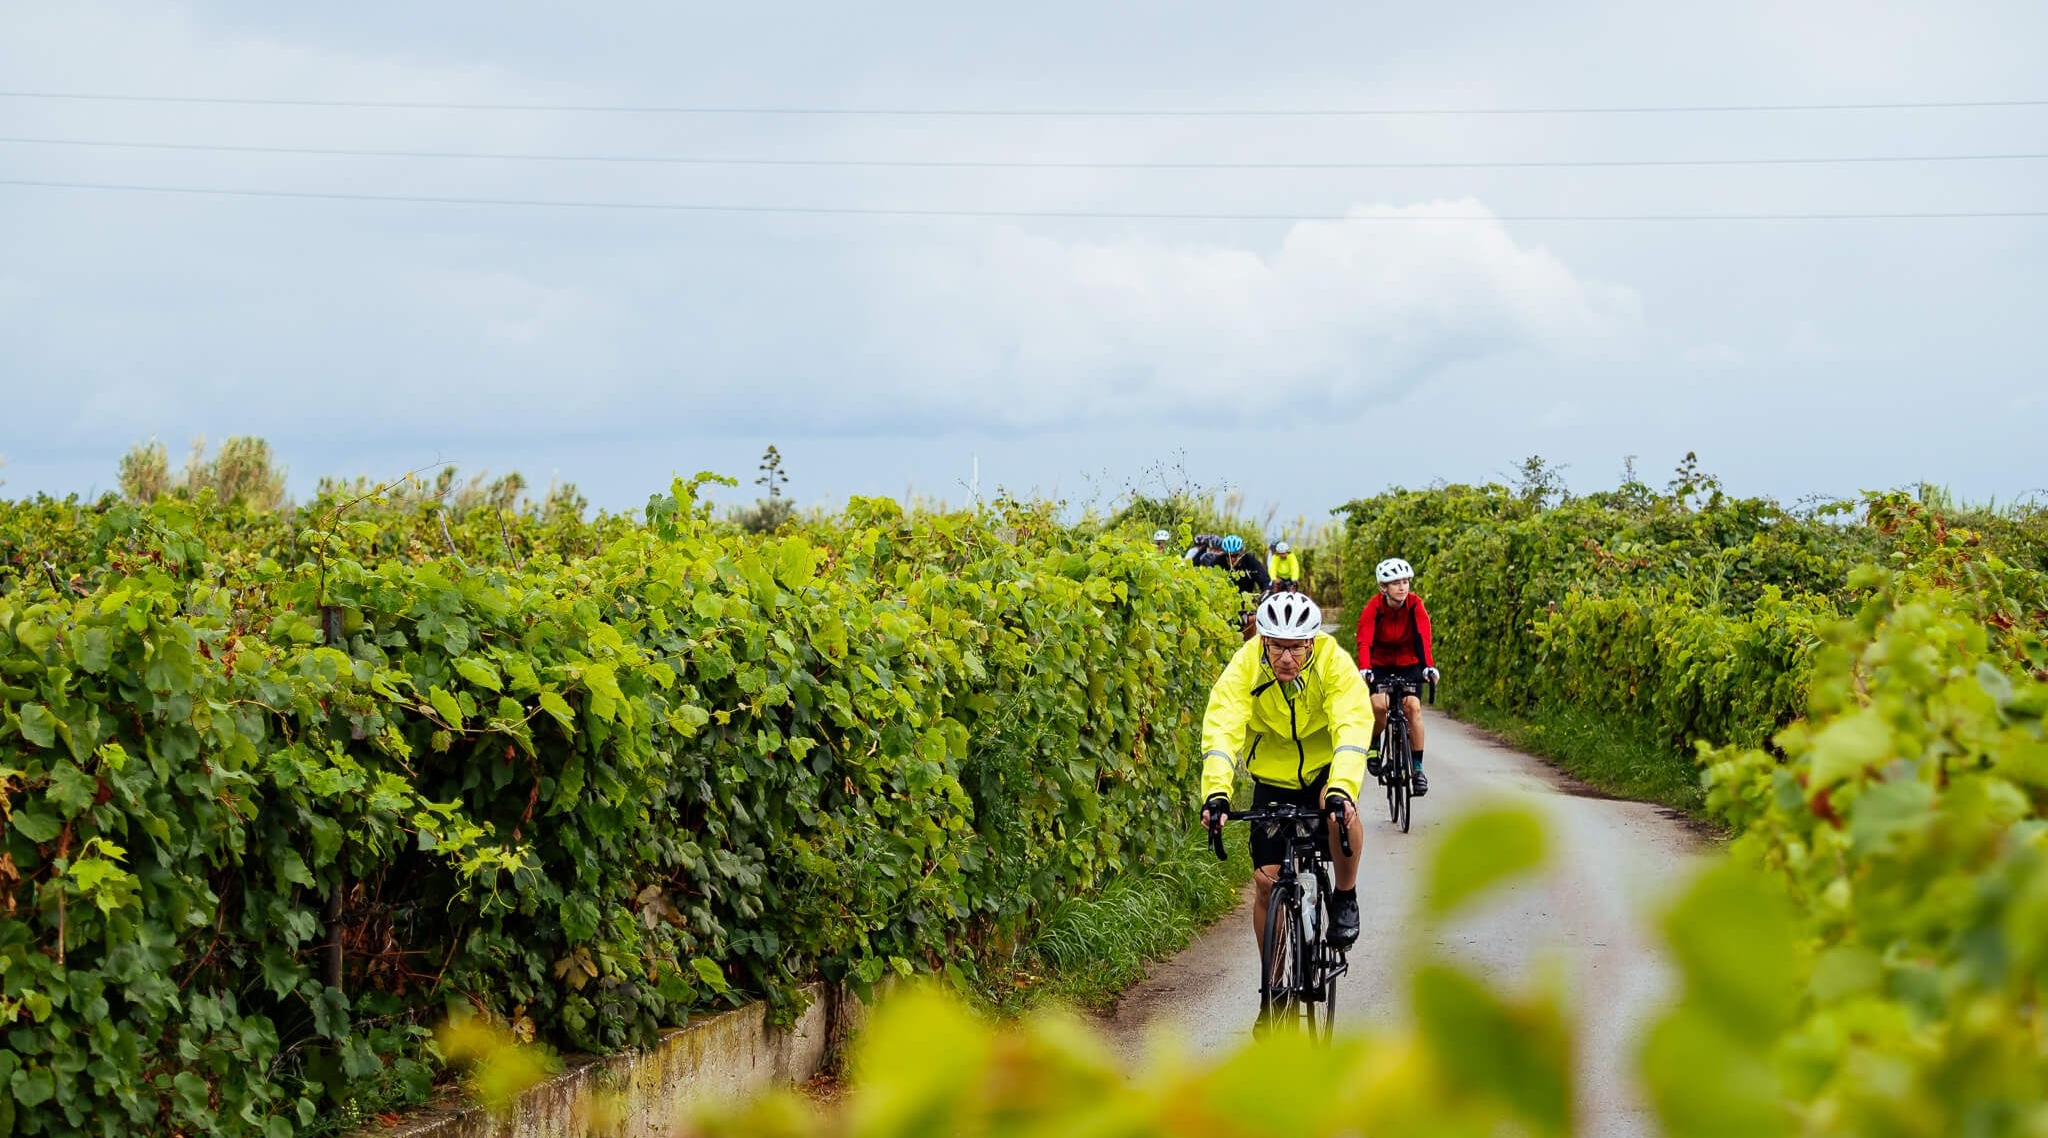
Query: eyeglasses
{"x": 1298, "y": 651}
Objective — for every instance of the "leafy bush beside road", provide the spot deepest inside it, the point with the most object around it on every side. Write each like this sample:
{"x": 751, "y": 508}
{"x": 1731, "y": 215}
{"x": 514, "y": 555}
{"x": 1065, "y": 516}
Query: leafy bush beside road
{"x": 280, "y": 790}
{"x": 1686, "y": 615}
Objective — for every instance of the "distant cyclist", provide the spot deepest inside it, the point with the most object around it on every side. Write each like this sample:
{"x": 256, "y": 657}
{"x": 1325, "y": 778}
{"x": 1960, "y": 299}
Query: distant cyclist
{"x": 1291, "y": 708}
{"x": 1161, "y": 539}
{"x": 1245, "y": 570}
{"x": 1285, "y": 564}
{"x": 1394, "y": 643}
{"x": 1205, "y": 552}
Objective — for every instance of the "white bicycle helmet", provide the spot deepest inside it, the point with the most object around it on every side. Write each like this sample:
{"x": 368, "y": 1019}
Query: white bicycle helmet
{"x": 1280, "y": 547}
{"x": 1161, "y": 535}
{"x": 1289, "y": 616}
{"x": 1394, "y": 569}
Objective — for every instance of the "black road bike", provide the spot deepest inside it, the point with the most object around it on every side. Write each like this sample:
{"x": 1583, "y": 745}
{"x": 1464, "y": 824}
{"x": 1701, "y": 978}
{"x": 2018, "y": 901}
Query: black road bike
{"x": 1298, "y": 969}
{"x": 1397, "y": 754}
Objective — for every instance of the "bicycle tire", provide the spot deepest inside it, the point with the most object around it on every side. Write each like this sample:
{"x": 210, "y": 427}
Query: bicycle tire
{"x": 1273, "y": 1001}
{"x": 1403, "y": 780}
{"x": 1281, "y": 1006}
{"x": 1387, "y": 774}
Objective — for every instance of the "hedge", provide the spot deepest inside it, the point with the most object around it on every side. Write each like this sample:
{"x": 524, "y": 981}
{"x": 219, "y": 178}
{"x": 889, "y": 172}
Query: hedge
{"x": 278, "y": 797}
{"x": 1692, "y": 619}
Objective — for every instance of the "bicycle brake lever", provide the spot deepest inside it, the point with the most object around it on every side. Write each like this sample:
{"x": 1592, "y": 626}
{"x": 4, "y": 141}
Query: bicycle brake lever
{"x": 1216, "y": 840}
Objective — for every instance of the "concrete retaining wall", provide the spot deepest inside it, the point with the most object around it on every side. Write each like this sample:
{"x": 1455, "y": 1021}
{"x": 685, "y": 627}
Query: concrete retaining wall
{"x": 646, "y": 1094}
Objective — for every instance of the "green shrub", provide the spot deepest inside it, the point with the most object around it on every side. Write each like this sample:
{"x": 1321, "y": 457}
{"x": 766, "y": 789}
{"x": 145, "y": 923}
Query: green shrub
{"x": 277, "y": 794}
{"x": 1689, "y": 615}
{"x": 1905, "y": 827}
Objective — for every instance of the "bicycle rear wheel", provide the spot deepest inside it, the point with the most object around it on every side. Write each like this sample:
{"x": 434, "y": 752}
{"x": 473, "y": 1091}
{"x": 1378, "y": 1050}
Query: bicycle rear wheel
{"x": 1320, "y": 961}
{"x": 1308, "y": 957}
{"x": 1326, "y": 979}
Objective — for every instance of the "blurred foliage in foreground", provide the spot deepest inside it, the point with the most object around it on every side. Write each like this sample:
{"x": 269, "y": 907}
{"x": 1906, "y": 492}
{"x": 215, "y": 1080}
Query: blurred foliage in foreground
{"x": 1475, "y": 1062}
{"x": 1905, "y": 826}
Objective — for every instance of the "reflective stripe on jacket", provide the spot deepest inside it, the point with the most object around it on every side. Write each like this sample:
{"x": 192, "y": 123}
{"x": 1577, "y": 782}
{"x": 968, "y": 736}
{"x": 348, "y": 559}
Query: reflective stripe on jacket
{"x": 1287, "y": 734}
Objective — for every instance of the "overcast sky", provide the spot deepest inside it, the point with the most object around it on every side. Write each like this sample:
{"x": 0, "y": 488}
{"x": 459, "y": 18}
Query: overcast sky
{"x": 1303, "y": 362}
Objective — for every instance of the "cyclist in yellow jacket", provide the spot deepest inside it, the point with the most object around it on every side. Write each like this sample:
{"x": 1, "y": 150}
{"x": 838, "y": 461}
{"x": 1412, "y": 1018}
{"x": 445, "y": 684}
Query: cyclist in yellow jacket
{"x": 1291, "y": 707}
{"x": 1285, "y": 564}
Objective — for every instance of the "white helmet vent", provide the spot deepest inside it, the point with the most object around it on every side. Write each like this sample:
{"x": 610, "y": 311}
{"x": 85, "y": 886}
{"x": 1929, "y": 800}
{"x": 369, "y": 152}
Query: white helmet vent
{"x": 1289, "y": 616}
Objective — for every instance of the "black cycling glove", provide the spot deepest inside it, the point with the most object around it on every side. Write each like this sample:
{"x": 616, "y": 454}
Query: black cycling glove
{"x": 1216, "y": 807}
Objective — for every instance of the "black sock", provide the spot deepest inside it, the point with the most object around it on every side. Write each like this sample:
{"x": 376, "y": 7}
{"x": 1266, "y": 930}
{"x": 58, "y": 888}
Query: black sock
{"x": 1347, "y": 894}
{"x": 1416, "y": 754}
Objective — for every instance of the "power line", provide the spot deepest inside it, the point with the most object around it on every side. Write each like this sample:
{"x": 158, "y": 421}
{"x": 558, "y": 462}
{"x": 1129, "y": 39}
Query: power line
{"x": 1037, "y": 112}
{"x": 872, "y": 211}
{"x": 997, "y": 164}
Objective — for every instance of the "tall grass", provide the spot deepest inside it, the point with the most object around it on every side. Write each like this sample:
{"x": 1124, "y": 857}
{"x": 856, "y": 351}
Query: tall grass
{"x": 1092, "y": 948}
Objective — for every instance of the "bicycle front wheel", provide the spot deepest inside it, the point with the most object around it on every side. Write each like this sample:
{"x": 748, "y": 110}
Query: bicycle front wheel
{"x": 1282, "y": 964}
{"x": 1388, "y": 745}
{"x": 1402, "y": 780}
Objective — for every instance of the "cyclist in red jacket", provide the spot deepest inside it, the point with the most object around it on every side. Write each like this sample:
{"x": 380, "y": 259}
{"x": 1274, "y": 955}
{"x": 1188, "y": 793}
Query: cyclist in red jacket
{"x": 1393, "y": 642}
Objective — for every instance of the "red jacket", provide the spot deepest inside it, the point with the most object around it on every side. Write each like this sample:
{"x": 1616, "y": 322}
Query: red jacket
{"x": 1391, "y": 637}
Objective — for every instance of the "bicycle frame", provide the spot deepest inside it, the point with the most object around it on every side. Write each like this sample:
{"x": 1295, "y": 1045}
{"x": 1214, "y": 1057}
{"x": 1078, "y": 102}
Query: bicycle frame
{"x": 1305, "y": 973}
{"x": 1396, "y": 770}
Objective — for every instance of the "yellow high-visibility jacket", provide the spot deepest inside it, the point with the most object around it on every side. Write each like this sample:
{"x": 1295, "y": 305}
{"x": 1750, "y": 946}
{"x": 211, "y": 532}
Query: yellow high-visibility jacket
{"x": 1284, "y": 566}
{"x": 1287, "y": 734}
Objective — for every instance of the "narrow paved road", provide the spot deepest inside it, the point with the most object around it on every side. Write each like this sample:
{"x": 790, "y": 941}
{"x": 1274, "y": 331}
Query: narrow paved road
{"x": 1612, "y": 861}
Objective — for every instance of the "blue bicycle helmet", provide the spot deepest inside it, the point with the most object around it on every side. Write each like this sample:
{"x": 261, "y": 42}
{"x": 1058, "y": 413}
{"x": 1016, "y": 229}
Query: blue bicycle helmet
{"x": 1233, "y": 544}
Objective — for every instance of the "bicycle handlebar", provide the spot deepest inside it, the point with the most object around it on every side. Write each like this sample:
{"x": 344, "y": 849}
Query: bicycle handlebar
{"x": 1287, "y": 813}
{"x": 1395, "y": 685}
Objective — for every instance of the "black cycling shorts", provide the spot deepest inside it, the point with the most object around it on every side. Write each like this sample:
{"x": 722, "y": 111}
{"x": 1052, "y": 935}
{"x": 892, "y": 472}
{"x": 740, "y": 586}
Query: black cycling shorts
{"x": 1411, "y": 673}
{"x": 1267, "y": 844}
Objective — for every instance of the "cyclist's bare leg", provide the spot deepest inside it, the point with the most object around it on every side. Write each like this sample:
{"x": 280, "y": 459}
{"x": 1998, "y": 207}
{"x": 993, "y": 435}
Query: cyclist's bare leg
{"x": 1413, "y": 706}
{"x": 1262, "y": 898}
{"x": 1379, "y": 706}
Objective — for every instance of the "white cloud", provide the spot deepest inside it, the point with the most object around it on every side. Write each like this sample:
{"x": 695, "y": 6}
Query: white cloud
{"x": 1024, "y": 330}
